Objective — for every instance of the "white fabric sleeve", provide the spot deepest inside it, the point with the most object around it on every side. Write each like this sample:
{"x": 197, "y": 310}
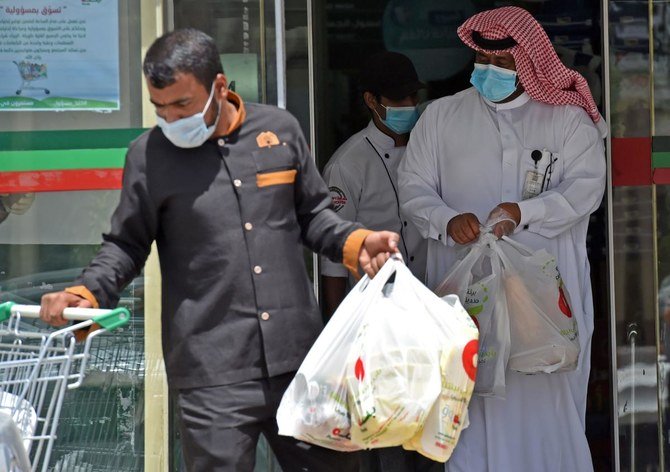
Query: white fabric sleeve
{"x": 345, "y": 190}
{"x": 581, "y": 188}
{"x": 418, "y": 180}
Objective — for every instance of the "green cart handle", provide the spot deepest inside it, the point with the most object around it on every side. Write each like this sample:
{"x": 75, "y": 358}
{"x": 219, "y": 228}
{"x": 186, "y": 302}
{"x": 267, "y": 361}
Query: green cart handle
{"x": 108, "y": 319}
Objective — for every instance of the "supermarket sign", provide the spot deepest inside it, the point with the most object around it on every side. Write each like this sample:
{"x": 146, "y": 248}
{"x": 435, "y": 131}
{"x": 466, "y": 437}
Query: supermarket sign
{"x": 59, "y": 55}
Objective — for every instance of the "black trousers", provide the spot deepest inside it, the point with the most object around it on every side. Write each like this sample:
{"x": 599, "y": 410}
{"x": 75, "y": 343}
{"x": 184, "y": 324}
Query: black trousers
{"x": 396, "y": 459}
{"x": 220, "y": 427}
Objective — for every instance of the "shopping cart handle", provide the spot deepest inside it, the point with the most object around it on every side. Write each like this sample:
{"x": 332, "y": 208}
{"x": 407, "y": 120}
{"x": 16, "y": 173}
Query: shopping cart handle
{"x": 108, "y": 319}
{"x": 116, "y": 318}
{"x": 6, "y": 311}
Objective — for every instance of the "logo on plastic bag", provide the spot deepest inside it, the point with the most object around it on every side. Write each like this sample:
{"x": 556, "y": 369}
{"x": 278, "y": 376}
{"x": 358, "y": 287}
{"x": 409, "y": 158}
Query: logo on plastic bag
{"x": 563, "y": 302}
{"x": 470, "y": 358}
{"x": 359, "y": 369}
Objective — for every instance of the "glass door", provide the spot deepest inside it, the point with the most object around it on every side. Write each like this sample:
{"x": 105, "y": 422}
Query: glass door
{"x": 70, "y": 102}
{"x": 640, "y": 248}
{"x": 660, "y": 164}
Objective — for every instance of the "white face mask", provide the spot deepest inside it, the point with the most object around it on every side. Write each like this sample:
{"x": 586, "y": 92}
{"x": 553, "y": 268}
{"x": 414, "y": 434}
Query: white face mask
{"x": 191, "y": 131}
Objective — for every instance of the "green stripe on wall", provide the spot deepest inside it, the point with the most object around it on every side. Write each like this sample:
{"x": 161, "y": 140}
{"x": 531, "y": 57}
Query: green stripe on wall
{"x": 22, "y": 161}
{"x": 72, "y": 139}
{"x": 660, "y": 160}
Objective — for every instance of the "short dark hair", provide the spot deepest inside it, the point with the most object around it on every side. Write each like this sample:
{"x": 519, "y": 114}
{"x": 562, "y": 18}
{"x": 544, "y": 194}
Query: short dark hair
{"x": 186, "y": 51}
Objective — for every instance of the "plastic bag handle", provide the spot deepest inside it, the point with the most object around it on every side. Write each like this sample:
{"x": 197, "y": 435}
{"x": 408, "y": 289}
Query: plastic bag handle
{"x": 476, "y": 251}
{"x": 505, "y": 262}
{"x": 377, "y": 284}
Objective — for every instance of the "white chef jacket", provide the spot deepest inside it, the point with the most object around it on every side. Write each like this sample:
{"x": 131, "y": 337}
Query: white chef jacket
{"x": 363, "y": 179}
{"x": 467, "y": 154}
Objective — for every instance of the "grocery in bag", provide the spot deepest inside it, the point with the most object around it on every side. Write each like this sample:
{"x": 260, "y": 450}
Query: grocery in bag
{"x": 391, "y": 352}
{"x": 395, "y": 374}
{"x": 448, "y": 417}
{"x": 543, "y": 332}
{"x": 315, "y": 407}
{"x": 477, "y": 279}
{"x": 414, "y": 366}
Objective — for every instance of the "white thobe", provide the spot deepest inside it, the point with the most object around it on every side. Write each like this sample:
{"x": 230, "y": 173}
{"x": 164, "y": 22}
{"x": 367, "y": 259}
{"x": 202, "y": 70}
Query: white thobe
{"x": 362, "y": 177}
{"x": 467, "y": 155}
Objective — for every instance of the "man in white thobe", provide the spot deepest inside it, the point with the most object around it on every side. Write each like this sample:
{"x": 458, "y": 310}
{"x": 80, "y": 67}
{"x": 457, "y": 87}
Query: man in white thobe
{"x": 471, "y": 158}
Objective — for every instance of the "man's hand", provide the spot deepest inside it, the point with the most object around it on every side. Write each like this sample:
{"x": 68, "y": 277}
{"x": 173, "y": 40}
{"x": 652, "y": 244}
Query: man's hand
{"x": 463, "y": 228}
{"x": 53, "y": 304}
{"x": 376, "y": 249}
{"x": 504, "y": 219}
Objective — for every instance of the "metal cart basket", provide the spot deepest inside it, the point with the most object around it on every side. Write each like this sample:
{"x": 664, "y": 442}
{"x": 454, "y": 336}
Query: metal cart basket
{"x": 37, "y": 367}
{"x": 30, "y": 72}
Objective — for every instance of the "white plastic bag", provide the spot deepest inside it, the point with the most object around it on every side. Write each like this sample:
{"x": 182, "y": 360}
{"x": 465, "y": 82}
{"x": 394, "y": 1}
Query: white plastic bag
{"x": 393, "y": 371}
{"x": 315, "y": 407}
{"x": 477, "y": 279}
{"x": 389, "y": 354}
{"x": 543, "y": 332}
{"x": 448, "y": 417}
{"x": 414, "y": 351}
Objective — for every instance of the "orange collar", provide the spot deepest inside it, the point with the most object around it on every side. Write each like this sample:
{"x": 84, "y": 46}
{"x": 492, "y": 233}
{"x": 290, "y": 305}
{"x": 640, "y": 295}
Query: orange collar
{"x": 236, "y": 100}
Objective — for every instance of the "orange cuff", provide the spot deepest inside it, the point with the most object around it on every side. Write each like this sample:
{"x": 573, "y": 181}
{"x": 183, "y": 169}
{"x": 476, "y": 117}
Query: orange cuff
{"x": 83, "y": 292}
{"x": 352, "y": 248}
{"x": 80, "y": 335}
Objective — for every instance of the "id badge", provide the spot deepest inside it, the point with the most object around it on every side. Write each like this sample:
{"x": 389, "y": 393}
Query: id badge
{"x": 532, "y": 187}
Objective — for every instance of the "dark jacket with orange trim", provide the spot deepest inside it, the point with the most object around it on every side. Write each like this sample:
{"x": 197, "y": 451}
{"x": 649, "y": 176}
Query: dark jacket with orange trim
{"x": 230, "y": 219}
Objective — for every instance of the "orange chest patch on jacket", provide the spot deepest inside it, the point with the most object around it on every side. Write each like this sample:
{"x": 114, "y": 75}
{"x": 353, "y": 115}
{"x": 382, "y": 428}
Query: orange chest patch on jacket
{"x": 267, "y": 139}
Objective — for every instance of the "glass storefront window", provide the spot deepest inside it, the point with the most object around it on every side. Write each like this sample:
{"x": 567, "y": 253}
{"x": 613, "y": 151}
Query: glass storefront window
{"x": 660, "y": 117}
{"x": 59, "y": 179}
{"x": 638, "y": 222}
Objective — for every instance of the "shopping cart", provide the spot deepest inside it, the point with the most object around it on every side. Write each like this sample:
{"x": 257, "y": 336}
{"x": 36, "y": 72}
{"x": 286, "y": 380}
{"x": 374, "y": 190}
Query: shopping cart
{"x": 30, "y": 72}
{"x": 37, "y": 367}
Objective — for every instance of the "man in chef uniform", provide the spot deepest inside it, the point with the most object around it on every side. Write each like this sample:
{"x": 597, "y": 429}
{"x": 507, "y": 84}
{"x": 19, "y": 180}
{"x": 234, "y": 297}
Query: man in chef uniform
{"x": 524, "y": 148}
{"x": 362, "y": 174}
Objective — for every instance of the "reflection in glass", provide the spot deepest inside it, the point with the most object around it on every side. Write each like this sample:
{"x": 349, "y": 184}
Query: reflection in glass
{"x": 663, "y": 245}
{"x": 635, "y": 327}
{"x": 661, "y": 129}
{"x": 239, "y": 28}
{"x": 633, "y": 242}
{"x": 46, "y": 238}
{"x": 629, "y": 72}
{"x": 102, "y": 423}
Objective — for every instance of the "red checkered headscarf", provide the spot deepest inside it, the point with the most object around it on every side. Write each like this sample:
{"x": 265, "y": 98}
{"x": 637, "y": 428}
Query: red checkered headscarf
{"x": 540, "y": 71}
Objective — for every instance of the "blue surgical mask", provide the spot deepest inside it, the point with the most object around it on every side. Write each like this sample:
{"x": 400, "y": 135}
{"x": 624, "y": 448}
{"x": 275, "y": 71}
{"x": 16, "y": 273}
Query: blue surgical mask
{"x": 492, "y": 82}
{"x": 189, "y": 132}
{"x": 400, "y": 120}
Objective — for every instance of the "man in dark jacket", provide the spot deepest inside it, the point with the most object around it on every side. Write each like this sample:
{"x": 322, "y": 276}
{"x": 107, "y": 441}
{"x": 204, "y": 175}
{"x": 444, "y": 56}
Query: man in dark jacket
{"x": 230, "y": 193}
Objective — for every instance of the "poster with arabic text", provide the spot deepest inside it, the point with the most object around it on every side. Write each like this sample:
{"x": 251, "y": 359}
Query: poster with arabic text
{"x": 59, "y": 55}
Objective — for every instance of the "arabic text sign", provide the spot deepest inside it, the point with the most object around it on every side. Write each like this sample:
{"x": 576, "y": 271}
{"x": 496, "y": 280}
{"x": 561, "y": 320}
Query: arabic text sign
{"x": 59, "y": 55}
